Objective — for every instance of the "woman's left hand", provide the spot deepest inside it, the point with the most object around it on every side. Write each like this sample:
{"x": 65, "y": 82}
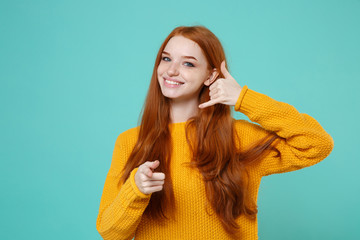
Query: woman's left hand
{"x": 223, "y": 90}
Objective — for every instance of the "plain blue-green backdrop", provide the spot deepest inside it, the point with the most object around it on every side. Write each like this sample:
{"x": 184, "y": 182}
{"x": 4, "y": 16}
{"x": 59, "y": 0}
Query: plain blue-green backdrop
{"x": 74, "y": 75}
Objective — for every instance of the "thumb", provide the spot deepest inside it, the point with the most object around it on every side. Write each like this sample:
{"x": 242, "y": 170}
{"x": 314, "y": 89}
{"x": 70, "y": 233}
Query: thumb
{"x": 155, "y": 164}
{"x": 224, "y": 71}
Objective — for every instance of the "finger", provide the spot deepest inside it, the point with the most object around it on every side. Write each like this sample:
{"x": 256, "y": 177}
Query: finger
{"x": 224, "y": 71}
{"x": 153, "y": 189}
{"x": 145, "y": 170}
{"x": 153, "y": 183}
{"x": 215, "y": 96}
{"x": 148, "y": 167}
{"x": 213, "y": 92}
{"x": 214, "y": 85}
{"x": 153, "y": 164}
{"x": 158, "y": 176}
{"x": 209, "y": 103}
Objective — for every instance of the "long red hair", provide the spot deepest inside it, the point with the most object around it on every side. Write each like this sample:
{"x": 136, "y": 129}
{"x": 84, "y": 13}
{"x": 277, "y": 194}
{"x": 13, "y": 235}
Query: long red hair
{"x": 211, "y": 138}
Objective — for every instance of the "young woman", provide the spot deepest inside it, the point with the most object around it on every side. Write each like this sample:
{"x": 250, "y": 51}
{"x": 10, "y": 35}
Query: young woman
{"x": 191, "y": 171}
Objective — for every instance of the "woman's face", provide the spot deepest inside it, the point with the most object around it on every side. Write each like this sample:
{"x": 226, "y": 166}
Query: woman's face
{"x": 183, "y": 69}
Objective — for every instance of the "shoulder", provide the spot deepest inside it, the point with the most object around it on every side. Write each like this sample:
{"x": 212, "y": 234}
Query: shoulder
{"x": 130, "y": 132}
{"x": 128, "y": 137}
{"x": 124, "y": 145}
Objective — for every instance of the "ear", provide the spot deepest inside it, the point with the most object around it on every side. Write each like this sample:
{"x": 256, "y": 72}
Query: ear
{"x": 212, "y": 77}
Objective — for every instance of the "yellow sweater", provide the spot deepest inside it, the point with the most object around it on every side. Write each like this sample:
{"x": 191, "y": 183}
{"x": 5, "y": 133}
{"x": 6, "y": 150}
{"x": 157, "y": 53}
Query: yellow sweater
{"x": 303, "y": 142}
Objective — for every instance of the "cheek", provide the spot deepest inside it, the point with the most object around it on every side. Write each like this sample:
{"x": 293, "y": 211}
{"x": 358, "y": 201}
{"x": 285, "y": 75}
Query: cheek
{"x": 160, "y": 69}
{"x": 200, "y": 78}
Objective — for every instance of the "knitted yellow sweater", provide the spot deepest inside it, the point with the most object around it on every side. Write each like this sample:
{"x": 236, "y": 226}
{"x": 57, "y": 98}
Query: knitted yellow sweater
{"x": 303, "y": 142}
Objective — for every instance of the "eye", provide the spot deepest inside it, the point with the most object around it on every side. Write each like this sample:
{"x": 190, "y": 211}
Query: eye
{"x": 189, "y": 64}
{"x": 165, "y": 59}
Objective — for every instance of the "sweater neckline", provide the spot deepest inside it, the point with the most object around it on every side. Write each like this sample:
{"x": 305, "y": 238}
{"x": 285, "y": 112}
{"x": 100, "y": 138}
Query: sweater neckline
{"x": 177, "y": 126}
{"x": 178, "y": 123}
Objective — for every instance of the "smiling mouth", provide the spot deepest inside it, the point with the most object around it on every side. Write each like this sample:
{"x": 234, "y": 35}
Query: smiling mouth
{"x": 173, "y": 82}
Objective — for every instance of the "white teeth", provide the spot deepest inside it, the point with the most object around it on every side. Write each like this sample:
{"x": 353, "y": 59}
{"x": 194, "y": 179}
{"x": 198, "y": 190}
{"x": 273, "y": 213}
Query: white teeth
{"x": 172, "y": 82}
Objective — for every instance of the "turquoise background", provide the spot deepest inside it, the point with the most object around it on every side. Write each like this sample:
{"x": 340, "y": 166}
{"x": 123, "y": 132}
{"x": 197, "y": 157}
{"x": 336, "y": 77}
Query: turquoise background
{"x": 74, "y": 74}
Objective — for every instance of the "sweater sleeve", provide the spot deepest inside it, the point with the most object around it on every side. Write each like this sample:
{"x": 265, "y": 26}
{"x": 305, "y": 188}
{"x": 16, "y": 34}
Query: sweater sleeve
{"x": 121, "y": 206}
{"x": 301, "y": 142}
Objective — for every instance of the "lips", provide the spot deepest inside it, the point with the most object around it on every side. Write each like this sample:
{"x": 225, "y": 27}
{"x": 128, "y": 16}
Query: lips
{"x": 172, "y": 83}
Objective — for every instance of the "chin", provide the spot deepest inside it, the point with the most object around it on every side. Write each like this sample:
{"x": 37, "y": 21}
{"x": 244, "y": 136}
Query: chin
{"x": 171, "y": 96}
{"x": 166, "y": 93}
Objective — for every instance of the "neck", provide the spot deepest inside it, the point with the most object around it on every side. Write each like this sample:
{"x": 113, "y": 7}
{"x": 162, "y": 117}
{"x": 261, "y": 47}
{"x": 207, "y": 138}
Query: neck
{"x": 182, "y": 111}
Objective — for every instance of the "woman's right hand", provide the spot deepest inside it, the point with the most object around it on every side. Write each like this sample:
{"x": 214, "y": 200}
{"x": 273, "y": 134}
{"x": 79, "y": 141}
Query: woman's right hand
{"x": 148, "y": 181}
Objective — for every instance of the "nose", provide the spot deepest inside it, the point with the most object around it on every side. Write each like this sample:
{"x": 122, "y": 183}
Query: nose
{"x": 173, "y": 69}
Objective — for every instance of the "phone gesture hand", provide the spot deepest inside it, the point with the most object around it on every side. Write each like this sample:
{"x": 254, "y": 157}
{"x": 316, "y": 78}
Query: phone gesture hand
{"x": 223, "y": 90}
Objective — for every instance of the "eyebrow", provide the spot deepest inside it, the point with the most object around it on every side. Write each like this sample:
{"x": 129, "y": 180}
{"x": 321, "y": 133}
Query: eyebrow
{"x": 191, "y": 57}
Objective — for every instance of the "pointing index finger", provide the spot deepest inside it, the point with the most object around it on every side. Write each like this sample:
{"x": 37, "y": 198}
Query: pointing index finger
{"x": 158, "y": 176}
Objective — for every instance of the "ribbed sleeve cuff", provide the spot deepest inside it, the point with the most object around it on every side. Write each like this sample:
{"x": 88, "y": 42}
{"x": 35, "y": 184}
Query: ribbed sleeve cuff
{"x": 240, "y": 99}
{"x": 252, "y": 103}
{"x": 130, "y": 195}
{"x": 134, "y": 188}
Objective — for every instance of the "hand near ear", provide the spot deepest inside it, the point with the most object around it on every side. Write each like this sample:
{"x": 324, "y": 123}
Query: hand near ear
{"x": 223, "y": 90}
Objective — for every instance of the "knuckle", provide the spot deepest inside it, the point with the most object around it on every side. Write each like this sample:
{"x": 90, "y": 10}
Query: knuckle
{"x": 143, "y": 177}
{"x": 143, "y": 184}
{"x": 140, "y": 168}
{"x": 157, "y": 189}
